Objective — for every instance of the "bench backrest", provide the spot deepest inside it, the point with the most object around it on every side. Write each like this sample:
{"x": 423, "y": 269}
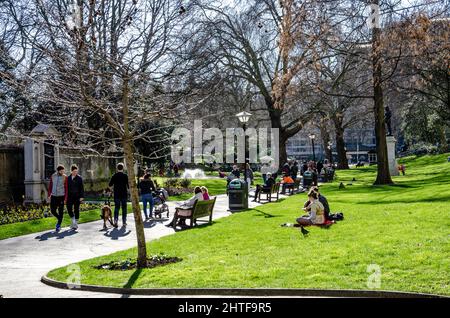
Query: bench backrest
{"x": 203, "y": 208}
{"x": 276, "y": 187}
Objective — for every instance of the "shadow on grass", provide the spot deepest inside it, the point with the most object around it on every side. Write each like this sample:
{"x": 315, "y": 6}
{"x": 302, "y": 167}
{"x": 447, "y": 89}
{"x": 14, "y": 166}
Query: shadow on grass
{"x": 266, "y": 215}
{"x": 201, "y": 225}
{"x": 133, "y": 278}
{"x": 395, "y": 201}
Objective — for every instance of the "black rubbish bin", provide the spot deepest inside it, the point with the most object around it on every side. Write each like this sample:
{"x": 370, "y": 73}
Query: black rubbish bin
{"x": 237, "y": 195}
{"x": 307, "y": 179}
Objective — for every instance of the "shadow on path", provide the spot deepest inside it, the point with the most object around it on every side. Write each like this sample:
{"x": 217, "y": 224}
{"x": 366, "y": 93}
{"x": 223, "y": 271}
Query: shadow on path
{"x": 116, "y": 233}
{"x": 53, "y": 234}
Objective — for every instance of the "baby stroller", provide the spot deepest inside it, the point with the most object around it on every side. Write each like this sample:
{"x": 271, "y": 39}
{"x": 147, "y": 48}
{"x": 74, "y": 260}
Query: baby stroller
{"x": 160, "y": 206}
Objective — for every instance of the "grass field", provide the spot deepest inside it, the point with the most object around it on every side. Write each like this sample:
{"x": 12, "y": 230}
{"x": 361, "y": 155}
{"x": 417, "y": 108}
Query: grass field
{"x": 215, "y": 187}
{"x": 402, "y": 230}
{"x": 28, "y": 227}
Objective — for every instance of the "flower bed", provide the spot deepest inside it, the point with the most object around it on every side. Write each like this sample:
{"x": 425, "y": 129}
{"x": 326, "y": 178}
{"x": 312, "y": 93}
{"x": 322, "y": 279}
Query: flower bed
{"x": 155, "y": 260}
{"x": 20, "y": 213}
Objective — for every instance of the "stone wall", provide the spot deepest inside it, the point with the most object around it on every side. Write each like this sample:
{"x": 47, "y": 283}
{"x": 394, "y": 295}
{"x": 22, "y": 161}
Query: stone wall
{"x": 95, "y": 170}
{"x": 11, "y": 173}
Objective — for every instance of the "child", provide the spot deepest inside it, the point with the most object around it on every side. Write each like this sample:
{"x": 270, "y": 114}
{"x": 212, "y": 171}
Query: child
{"x": 205, "y": 193}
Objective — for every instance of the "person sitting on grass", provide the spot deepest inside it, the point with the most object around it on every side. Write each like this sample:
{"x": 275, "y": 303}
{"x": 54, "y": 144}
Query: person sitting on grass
{"x": 266, "y": 186}
{"x": 286, "y": 183}
{"x": 324, "y": 202}
{"x": 185, "y": 209}
{"x": 205, "y": 193}
{"x": 316, "y": 212}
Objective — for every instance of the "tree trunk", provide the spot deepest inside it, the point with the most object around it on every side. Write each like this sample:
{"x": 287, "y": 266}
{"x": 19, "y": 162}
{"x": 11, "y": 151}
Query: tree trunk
{"x": 340, "y": 144}
{"x": 275, "y": 119}
{"x": 443, "y": 140}
{"x": 326, "y": 141}
{"x": 383, "y": 175}
{"x": 128, "y": 151}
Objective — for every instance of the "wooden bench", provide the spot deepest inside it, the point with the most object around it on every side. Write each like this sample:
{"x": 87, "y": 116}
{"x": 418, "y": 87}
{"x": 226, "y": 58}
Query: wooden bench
{"x": 295, "y": 187}
{"x": 274, "y": 190}
{"x": 199, "y": 210}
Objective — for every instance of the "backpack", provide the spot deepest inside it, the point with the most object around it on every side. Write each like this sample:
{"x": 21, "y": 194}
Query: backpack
{"x": 339, "y": 216}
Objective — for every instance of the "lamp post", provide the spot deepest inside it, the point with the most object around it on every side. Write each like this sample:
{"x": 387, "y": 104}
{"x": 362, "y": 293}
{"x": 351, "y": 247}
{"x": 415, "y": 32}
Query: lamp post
{"x": 243, "y": 118}
{"x": 330, "y": 148}
{"x": 312, "y": 137}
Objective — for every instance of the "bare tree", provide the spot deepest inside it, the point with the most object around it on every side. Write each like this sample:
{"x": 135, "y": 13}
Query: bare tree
{"x": 269, "y": 44}
{"x": 109, "y": 67}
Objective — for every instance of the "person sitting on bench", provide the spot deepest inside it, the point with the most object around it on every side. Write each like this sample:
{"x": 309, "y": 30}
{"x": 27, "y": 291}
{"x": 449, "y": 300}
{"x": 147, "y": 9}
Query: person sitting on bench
{"x": 266, "y": 186}
{"x": 186, "y": 207}
{"x": 286, "y": 183}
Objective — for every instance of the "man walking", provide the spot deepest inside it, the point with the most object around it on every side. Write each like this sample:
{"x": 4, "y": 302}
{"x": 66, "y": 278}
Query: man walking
{"x": 120, "y": 183}
{"x": 75, "y": 188}
{"x": 57, "y": 193}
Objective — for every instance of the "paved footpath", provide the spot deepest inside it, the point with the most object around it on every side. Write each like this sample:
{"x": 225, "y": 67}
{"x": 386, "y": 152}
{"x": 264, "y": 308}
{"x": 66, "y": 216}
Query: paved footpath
{"x": 24, "y": 259}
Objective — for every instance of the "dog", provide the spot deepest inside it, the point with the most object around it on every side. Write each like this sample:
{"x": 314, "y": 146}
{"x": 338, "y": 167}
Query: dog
{"x": 107, "y": 216}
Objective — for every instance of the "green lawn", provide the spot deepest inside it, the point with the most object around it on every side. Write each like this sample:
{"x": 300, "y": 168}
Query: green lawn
{"x": 215, "y": 187}
{"x": 403, "y": 229}
{"x": 28, "y": 227}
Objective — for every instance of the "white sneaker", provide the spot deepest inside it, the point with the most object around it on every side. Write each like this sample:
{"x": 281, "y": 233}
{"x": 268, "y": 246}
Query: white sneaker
{"x": 74, "y": 225}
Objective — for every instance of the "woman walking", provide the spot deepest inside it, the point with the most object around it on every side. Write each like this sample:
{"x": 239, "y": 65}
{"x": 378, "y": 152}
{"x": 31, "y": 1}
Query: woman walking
{"x": 75, "y": 196}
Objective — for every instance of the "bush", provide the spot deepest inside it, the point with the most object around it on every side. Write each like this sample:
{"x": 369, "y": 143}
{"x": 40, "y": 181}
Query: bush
{"x": 171, "y": 183}
{"x": 185, "y": 183}
{"x": 178, "y": 191}
{"x": 422, "y": 148}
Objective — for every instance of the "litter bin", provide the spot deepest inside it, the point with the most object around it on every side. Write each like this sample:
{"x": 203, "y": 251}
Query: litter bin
{"x": 307, "y": 179}
{"x": 237, "y": 195}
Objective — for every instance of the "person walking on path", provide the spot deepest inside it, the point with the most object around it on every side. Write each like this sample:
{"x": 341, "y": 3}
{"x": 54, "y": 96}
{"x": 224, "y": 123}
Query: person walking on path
{"x": 75, "y": 189}
{"x": 120, "y": 183}
{"x": 146, "y": 186}
{"x": 57, "y": 193}
{"x": 248, "y": 176}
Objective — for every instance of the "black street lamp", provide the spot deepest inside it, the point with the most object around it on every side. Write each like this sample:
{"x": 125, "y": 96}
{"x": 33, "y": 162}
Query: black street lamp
{"x": 312, "y": 137}
{"x": 243, "y": 118}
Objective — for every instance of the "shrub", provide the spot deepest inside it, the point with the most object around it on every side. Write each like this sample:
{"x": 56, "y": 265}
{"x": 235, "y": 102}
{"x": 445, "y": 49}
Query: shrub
{"x": 171, "y": 183}
{"x": 185, "y": 183}
{"x": 422, "y": 148}
{"x": 178, "y": 191}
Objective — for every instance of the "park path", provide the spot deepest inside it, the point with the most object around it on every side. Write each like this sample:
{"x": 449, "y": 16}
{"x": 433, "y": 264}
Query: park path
{"x": 25, "y": 259}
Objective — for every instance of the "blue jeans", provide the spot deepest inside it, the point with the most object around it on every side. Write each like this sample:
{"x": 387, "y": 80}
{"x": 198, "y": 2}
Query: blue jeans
{"x": 148, "y": 197}
{"x": 120, "y": 202}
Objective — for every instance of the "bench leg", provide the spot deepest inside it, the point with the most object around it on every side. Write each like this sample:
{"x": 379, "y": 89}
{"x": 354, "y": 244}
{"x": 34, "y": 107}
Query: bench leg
{"x": 175, "y": 221}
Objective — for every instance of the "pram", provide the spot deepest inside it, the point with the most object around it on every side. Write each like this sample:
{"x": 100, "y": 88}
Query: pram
{"x": 159, "y": 199}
